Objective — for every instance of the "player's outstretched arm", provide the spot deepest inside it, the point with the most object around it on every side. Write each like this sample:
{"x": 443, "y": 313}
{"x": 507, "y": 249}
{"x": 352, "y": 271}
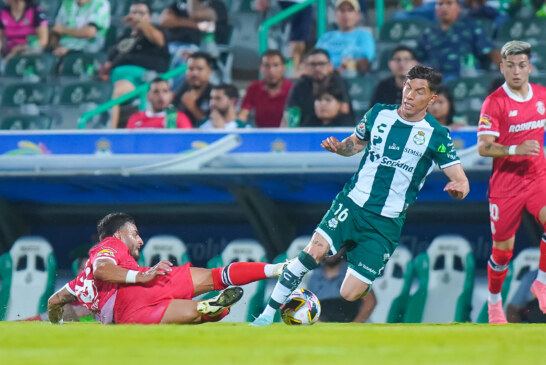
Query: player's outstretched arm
{"x": 458, "y": 186}
{"x": 107, "y": 270}
{"x": 488, "y": 147}
{"x": 56, "y": 303}
{"x": 348, "y": 147}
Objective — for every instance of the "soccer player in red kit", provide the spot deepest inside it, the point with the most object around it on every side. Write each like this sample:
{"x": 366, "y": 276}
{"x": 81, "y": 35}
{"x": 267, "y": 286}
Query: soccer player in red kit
{"x": 113, "y": 286}
{"x": 511, "y": 130}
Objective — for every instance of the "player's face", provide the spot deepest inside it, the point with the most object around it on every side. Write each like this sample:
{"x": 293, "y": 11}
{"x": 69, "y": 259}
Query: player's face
{"x": 516, "y": 70}
{"x": 198, "y": 72}
{"x": 160, "y": 96}
{"x": 128, "y": 234}
{"x": 272, "y": 69}
{"x": 346, "y": 17}
{"x": 416, "y": 97}
{"x": 327, "y": 107}
{"x": 447, "y": 10}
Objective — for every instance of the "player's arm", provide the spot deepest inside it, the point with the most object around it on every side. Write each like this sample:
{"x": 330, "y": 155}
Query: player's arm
{"x": 488, "y": 147}
{"x": 107, "y": 270}
{"x": 348, "y": 147}
{"x": 56, "y": 303}
{"x": 457, "y": 186}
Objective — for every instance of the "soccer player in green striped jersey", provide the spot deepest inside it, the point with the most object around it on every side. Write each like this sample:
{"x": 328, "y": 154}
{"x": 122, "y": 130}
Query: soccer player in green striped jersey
{"x": 401, "y": 143}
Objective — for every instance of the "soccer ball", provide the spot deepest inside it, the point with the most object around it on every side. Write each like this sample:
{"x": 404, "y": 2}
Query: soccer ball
{"x": 301, "y": 308}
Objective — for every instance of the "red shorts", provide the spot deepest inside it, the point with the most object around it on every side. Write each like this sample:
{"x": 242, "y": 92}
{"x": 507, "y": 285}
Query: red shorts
{"x": 146, "y": 303}
{"x": 505, "y": 213}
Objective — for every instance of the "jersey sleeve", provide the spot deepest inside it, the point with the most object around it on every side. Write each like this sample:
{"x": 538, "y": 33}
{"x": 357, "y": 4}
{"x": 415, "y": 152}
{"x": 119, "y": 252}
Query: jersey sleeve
{"x": 39, "y": 17}
{"x": 444, "y": 152}
{"x": 100, "y": 17}
{"x": 364, "y": 128}
{"x": 489, "y": 122}
{"x": 110, "y": 248}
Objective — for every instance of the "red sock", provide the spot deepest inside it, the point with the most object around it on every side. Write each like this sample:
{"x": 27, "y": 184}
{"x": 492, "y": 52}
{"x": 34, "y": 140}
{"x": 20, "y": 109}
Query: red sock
{"x": 497, "y": 269}
{"x": 542, "y": 261}
{"x": 238, "y": 273}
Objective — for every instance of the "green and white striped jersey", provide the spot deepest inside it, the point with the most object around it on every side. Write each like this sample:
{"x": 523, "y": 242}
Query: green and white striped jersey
{"x": 398, "y": 157}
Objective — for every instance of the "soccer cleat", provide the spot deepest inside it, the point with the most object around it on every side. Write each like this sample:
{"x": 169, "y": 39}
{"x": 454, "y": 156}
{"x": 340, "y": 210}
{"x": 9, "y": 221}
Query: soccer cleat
{"x": 216, "y": 318}
{"x": 279, "y": 268}
{"x": 539, "y": 290}
{"x": 215, "y": 306}
{"x": 262, "y": 321}
{"x": 496, "y": 313}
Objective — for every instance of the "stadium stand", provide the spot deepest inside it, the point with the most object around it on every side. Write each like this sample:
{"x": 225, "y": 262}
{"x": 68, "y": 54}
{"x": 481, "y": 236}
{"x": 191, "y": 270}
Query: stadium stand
{"x": 445, "y": 274}
{"x": 251, "y": 304}
{"x": 16, "y": 122}
{"x": 28, "y": 278}
{"x": 164, "y": 247}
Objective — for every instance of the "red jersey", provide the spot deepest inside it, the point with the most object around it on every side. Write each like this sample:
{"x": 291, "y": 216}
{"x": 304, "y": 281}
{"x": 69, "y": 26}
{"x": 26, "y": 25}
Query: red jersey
{"x": 94, "y": 293}
{"x": 514, "y": 120}
{"x": 147, "y": 119}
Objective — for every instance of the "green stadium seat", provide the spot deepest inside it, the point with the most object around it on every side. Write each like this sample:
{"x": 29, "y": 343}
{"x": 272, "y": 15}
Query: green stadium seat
{"x": 392, "y": 288}
{"x": 80, "y": 64}
{"x": 18, "y": 122}
{"x": 469, "y": 92}
{"x": 531, "y": 30}
{"x": 28, "y": 274}
{"x": 525, "y": 261}
{"x": 158, "y": 6}
{"x": 445, "y": 273}
{"x": 251, "y": 304}
{"x": 41, "y": 65}
{"x": 406, "y": 31}
{"x": 19, "y": 94}
{"x": 361, "y": 91}
{"x": 50, "y": 9}
{"x": 164, "y": 247}
{"x": 95, "y": 92}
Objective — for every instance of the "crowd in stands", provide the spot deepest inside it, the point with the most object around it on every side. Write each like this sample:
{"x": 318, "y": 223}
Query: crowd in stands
{"x": 312, "y": 86}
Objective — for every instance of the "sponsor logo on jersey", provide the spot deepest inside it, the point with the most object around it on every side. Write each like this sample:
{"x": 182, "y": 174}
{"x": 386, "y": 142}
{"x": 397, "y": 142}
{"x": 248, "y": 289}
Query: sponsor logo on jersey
{"x": 442, "y": 148}
{"x": 413, "y": 152}
{"x": 106, "y": 252}
{"x": 540, "y": 107}
{"x": 484, "y": 121}
{"x": 419, "y": 138}
{"x": 332, "y": 223}
{"x": 394, "y": 147}
{"x": 367, "y": 268}
{"x": 513, "y": 113}
{"x": 385, "y": 161}
{"x": 535, "y": 124}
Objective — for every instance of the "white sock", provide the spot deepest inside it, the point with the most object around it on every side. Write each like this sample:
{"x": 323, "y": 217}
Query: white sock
{"x": 494, "y": 298}
{"x": 269, "y": 269}
{"x": 269, "y": 311}
{"x": 541, "y": 276}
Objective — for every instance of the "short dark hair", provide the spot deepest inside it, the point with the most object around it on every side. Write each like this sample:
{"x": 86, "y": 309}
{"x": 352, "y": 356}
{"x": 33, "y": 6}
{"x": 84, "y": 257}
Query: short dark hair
{"x": 443, "y": 90}
{"x": 157, "y": 80}
{"x": 433, "y": 76}
{"x": 110, "y": 224}
{"x": 230, "y": 90}
{"x": 401, "y": 48}
{"x": 330, "y": 88}
{"x": 272, "y": 53}
{"x": 314, "y": 51}
{"x": 203, "y": 55}
{"x": 142, "y": 2}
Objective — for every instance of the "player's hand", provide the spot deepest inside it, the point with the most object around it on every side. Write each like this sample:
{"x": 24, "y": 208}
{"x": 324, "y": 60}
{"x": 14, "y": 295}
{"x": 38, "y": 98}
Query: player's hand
{"x": 162, "y": 268}
{"x": 331, "y": 144}
{"x": 530, "y": 147}
{"x": 457, "y": 189}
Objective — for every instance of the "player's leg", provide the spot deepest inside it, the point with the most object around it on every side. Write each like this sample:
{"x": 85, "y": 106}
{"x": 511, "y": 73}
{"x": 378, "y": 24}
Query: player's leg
{"x": 539, "y": 285}
{"x": 236, "y": 273}
{"x": 353, "y": 288}
{"x": 292, "y": 276}
{"x": 181, "y": 311}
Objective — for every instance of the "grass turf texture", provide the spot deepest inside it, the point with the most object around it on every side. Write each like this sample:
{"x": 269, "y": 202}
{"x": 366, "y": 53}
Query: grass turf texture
{"x": 226, "y": 343}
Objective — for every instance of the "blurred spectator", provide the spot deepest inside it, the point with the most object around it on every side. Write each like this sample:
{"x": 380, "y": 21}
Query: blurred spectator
{"x": 300, "y": 29}
{"x": 455, "y": 45}
{"x": 24, "y": 27}
{"x": 223, "y": 99}
{"x": 350, "y": 49}
{"x": 162, "y": 114}
{"x": 183, "y": 17}
{"x": 479, "y": 9}
{"x": 495, "y": 84}
{"x": 527, "y": 8}
{"x": 80, "y": 25}
{"x": 419, "y": 9}
{"x": 326, "y": 282}
{"x": 299, "y": 110}
{"x": 194, "y": 95}
{"x": 141, "y": 49}
{"x": 524, "y": 306}
{"x": 328, "y": 101}
{"x": 267, "y": 96}
{"x": 389, "y": 90}
{"x": 443, "y": 109}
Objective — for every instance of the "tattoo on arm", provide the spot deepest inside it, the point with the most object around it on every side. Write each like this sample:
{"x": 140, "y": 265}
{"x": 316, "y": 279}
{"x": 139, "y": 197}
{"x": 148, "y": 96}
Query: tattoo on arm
{"x": 347, "y": 148}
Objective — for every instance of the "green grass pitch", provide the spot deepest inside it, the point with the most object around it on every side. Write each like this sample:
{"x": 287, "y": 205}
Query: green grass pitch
{"x": 226, "y": 343}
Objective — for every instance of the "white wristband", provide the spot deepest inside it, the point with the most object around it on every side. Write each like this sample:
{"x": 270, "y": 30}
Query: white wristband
{"x": 131, "y": 276}
{"x": 512, "y": 150}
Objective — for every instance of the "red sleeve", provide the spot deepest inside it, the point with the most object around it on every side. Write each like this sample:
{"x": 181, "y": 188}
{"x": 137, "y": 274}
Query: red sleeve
{"x": 110, "y": 248}
{"x": 248, "y": 100}
{"x": 183, "y": 122}
{"x": 132, "y": 120}
{"x": 489, "y": 121}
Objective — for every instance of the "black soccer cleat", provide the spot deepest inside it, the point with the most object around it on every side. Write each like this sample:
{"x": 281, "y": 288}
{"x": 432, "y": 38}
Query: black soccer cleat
{"x": 216, "y": 305}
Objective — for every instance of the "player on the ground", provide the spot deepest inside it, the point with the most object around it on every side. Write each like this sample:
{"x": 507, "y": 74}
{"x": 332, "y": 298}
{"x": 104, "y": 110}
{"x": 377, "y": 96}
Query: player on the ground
{"x": 119, "y": 291}
{"x": 402, "y": 143}
{"x": 511, "y": 130}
